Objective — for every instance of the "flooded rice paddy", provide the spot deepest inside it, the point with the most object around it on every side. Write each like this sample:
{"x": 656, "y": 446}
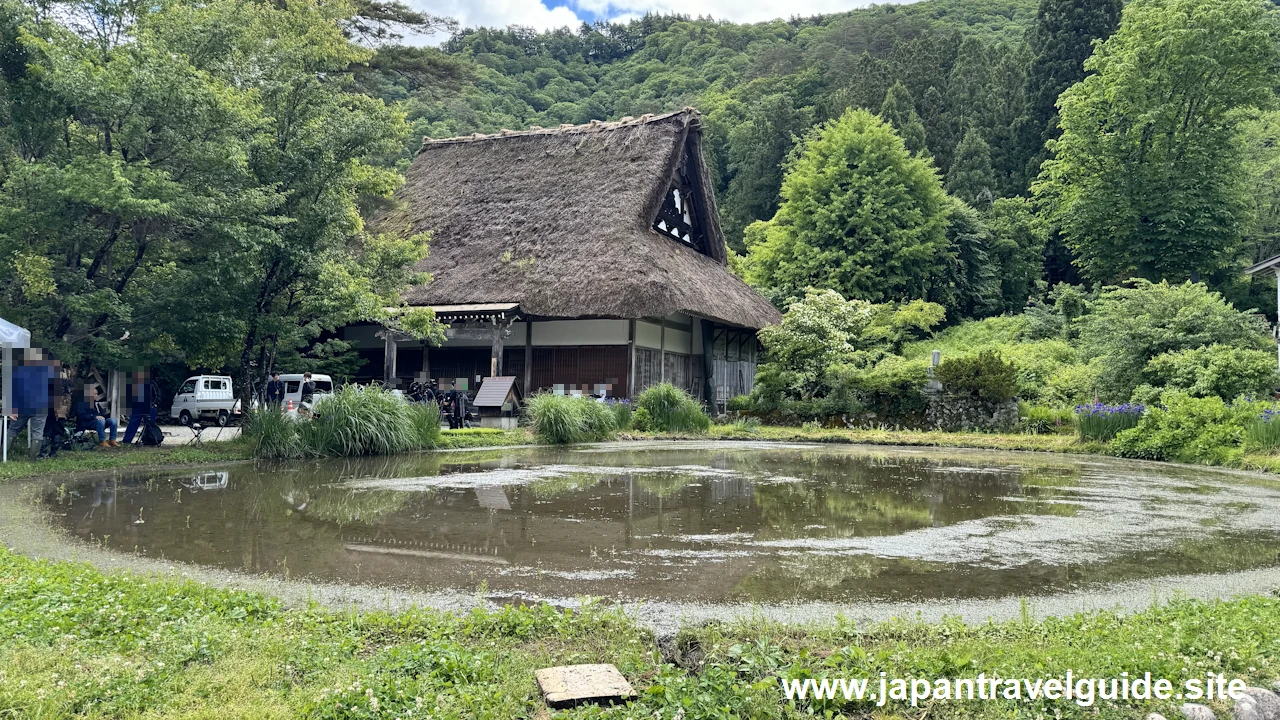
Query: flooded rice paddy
{"x": 690, "y": 522}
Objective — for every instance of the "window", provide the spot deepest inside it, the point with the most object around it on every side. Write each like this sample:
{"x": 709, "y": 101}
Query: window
{"x": 291, "y": 386}
{"x": 324, "y": 386}
{"x": 187, "y": 388}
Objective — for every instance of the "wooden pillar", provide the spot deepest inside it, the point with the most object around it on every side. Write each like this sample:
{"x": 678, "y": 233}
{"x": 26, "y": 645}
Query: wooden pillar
{"x": 528, "y": 357}
{"x": 495, "y": 350}
{"x": 115, "y": 394}
{"x": 426, "y": 361}
{"x": 389, "y": 358}
{"x": 631, "y": 358}
{"x": 662, "y": 351}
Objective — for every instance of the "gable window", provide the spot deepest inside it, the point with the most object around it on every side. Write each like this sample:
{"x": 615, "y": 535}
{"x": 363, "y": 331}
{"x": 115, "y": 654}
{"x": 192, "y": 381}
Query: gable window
{"x": 678, "y": 218}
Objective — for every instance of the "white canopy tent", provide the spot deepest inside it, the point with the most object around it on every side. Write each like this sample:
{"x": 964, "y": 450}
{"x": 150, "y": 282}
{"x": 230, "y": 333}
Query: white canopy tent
{"x": 12, "y": 338}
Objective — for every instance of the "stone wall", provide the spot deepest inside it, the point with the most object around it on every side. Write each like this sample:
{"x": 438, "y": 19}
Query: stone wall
{"x": 952, "y": 412}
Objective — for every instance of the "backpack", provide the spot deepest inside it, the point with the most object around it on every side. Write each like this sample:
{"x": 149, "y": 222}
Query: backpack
{"x": 152, "y": 435}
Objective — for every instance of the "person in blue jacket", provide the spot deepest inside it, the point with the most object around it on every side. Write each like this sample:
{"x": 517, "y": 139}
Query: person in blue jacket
{"x": 33, "y": 385}
{"x": 142, "y": 403}
{"x": 88, "y": 417}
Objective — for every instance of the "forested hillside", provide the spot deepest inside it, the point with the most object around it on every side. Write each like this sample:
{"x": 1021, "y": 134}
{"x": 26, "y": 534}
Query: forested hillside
{"x": 959, "y": 62}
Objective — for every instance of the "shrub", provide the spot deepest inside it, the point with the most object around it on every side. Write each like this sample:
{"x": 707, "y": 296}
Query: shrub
{"x": 1263, "y": 431}
{"x": 671, "y": 409}
{"x": 1100, "y": 421}
{"x": 1186, "y": 429}
{"x": 640, "y": 420}
{"x": 360, "y": 420}
{"x": 1129, "y": 326}
{"x": 738, "y": 403}
{"x": 986, "y": 375}
{"x": 1221, "y": 370}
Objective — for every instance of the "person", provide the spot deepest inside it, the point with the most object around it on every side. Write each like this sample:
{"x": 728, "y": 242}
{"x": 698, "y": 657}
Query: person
{"x": 275, "y": 390}
{"x": 33, "y": 385}
{"x": 308, "y": 388}
{"x": 142, "y": 403}
{"x": 88, "y": 417}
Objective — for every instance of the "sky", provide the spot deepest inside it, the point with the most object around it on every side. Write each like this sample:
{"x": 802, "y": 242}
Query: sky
{"x": 546, "y": 14}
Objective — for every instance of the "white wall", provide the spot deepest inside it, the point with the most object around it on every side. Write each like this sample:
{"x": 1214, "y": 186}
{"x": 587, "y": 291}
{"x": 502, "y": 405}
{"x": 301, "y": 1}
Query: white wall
{"x": 649, "y": 335}
{"x": 578, "y": 332}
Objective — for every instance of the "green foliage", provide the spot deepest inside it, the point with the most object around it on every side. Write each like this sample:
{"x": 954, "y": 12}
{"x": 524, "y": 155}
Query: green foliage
{"x": 354, "y": 420}
{"x": 1042, "y": 419}
{"x": 969, "y": 284}
{"x": 1128, "y": 327}
{"x": 1214, "y": 370}
{"x": 622, "y": 414}
{"x": 985, "y": 375}
{"x": 816, "y": 333}
{"x": 738, "y": 403}
{"x": 1102, "y": 422}
{"x": 667, "y": 408}
{"x": 360, "y": 420}
{"x": 273, "y": 434}
{"x": 859, "y": 215}
{"x": 1191, "y": 430}
{"x": 641, "y": 420}
{"x": 970, "y": 177}
{"x": 1061, "y": 41}
{"x": 199, "y": 171}
{"x": 564, "y": 419}
{"x": 1262, "y": 432}
{"x": 1147, "y": 178}
{"x": 1017, "y": 250}
{"x": 899, "y": 111}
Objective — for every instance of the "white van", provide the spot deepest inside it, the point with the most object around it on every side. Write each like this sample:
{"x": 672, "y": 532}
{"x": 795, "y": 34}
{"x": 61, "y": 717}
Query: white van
{"x": 204, "y": 396}
{"x": 293, "y": 387}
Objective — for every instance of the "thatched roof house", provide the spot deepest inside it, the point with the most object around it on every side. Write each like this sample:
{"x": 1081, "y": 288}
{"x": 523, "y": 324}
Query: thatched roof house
{"x": 601, "y": 222}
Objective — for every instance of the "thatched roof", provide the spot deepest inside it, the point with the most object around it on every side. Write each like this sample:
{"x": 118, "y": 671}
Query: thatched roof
{"x": 561, "y": 222}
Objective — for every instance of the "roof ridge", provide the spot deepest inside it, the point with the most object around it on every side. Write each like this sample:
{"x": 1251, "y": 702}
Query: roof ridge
{"x": 566, "y": 129}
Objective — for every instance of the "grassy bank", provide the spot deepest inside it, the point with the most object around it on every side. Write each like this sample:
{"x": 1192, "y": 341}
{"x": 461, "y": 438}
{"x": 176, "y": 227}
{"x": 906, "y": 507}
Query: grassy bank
{"x": 77, "y": 643}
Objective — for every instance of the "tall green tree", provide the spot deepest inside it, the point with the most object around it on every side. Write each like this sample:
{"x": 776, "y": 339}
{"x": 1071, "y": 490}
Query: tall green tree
{"x": 970, "y": 177}
{"x": 757, "y": 151}
{"x": 970, "y": 286}
{"x": 899, "y": 111}
{"x": 1017, "y": 250}
{"x": 970, "y": 86}
{"x": 939, "y": 127}
{"x": 201, "y": 200}
{"x": 1147, "y": 178}
{"x": 1061, "y": 40}
{"x": 859, "y": 215}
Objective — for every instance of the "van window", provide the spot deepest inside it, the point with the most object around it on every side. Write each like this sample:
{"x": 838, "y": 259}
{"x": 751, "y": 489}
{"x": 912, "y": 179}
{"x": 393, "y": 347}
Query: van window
{"x": 215, "y": 385}
{"x": 187, "y": 388}
{"x": 291, "y": 386}
{"x": 324, "y": 386}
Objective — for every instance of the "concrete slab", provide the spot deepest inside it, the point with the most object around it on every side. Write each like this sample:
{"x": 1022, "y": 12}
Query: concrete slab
{"x": 569, "y": 685}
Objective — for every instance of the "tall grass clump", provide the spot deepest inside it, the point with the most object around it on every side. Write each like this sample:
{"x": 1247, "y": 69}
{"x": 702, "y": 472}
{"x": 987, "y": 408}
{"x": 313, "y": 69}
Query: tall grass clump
{"x": 667, "y": 408}
{"x": 425, "y": 421}
{"x": 1263, "y": 432}
{"x": 1100, "y": 421}
{"x": 274, "y": 436}
{"x": 360, "y": 420}
{"x": 1041, "y": 419}
{"x": 561, "y": 419}
{"x": 622, "y": 413}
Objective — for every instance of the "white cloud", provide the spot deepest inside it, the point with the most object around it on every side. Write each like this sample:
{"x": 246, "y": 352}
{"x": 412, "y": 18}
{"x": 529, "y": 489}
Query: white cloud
{"x": 743, "y": 11}
{"x": 501, "y": 13}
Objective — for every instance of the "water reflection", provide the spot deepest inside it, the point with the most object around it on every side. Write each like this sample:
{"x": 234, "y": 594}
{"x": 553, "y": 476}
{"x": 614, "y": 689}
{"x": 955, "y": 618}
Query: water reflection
{"x": 700, "y": 522}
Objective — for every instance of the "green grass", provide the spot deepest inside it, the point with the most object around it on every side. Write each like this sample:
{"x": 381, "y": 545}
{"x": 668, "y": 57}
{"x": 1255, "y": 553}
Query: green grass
{"x": 77, "y": 643}
{"x": 124, "y": 457}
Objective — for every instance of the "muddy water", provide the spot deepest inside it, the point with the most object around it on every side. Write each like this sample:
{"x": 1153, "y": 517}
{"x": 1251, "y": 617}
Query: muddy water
{"x": 691, "y": 522}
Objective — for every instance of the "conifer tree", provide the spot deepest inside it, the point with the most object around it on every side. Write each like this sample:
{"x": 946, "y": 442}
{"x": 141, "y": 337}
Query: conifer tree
{"x": 970, "y": 177}
{"x": 899, "y": 111}
{"x": 1061, "y": 41}
{"x": 939, "y": 135}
